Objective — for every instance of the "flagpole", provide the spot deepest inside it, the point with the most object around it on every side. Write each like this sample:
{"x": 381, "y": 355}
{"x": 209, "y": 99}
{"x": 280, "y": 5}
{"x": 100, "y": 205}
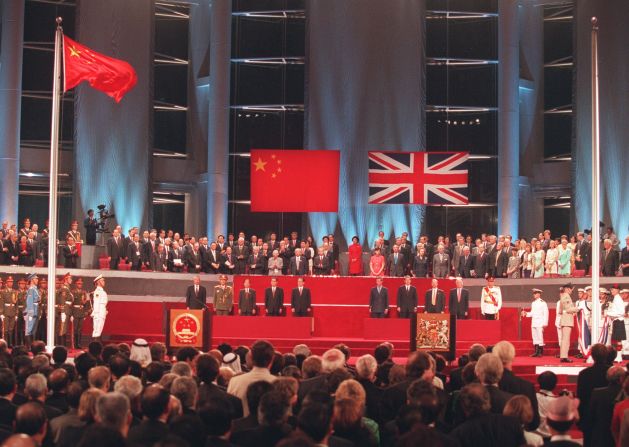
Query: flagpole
{"x": 52, "y": 203}
{"x": 596, "y": 240}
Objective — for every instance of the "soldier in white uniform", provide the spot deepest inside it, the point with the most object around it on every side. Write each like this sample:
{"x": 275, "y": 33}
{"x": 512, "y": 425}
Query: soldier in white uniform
{"x": 99, "y": 312}
{"x": 539, "y": 320}
{"x": 616, "y": 312}
{"x": 624, "y": 293}
{"x": 490, "y": 300}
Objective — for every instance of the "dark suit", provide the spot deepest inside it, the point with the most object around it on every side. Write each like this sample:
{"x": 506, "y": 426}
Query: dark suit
{"x": 516, "y": 385}
{"x": 301, "y": 270}
{"x": 498, "y": 398}
{"x": 274, "y": 302}
{"x": 246, "y": 302}
{"x": 196, "y": 300}
{"x": 406, "y": 300}
{"x": 396, "y": 266}
{"x": 147, "y": 433}
{"x": 456, "y": 307}
{"x": 241, "y": 254}
{"x": 148, "y": 248}
{"x": 300, "y": 303}
{"x": 481, "y": 265}
{"x": 256, "y": 264}
{"x": 378, "y": 302}
{"x": 440, "y": 302}
{"x": 115, "y": 252}
{"x": 624, "y": 259}
{"x": 498, "y": 262}
{"x": 172, "y": 256}
{"x": 466, "y": 265}
{"x": 489, "y": 430}
{"x": 610, "y": 262}
{"x": 90, "y": 230}
{"x": 159, "y": 261}
{"x": 212, "y": 258}
{"x": 420, "y": 266}
{"x": 211, "y": 392}
{"x": 192, "y": 260}
{"x": 134, "y": 256}
{"x": 7, "y": 413}
{"x": 599, "y": 416}
{"x": 588, "y": 379}
{"x": 71, "y": 257}
{"x": 320, "y": 266}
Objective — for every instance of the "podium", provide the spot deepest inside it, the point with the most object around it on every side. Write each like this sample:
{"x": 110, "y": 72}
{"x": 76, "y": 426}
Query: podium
{"x": 435, "y": 333}
{"x": 187, "y": 327}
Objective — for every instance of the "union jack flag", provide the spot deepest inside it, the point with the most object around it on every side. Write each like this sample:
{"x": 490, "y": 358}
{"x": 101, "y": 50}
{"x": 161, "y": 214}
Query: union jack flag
{"x": 423, "y": 178}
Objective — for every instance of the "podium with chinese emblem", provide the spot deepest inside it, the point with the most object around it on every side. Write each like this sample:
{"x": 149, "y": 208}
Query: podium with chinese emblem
{"x": 435, "y": 333}
{"x": 187, "y": 327}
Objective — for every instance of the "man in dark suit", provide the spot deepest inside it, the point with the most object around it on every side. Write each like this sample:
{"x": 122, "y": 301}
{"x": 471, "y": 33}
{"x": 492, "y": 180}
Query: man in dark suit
{"x": 601, "y": 410}
{"x": 193, "y": 259}
{"x": 274, "y": 299}
{"x": 406, "y": 299}
{"x": 334, "y": 248}
{"x": 134, "y": 255}
{"x": 609, "y": 259}
{"x": 300, "y": 301}
{"x": 320, "y": 263}
{"x": 624, "y": 258}
{"x": 588, "y": 379}
{"x": 196, "y": 295}
{"x": 466, "y": 263}
{"x": 379, "y": 300}
{"x": 396, "y": 262}
{"x": 481, "y": 263}
{"x": 434, "y": 299}
{"x": 489, "y": 371}
{"x": 207, "y": 368}
{"x": 241, "y": 253}
{"x": 153, "y": 428}
{"x": 175, "y": 258}
{"x": 212, "y": 261}
{"x": 8, "y": 387}
{"x": 70, "y": 254}
{"x": 228, "y": 262}
{"x": 459, "y": 301}
{"x": 114, "y": 250}
{"x": 159, "y": 259}
{"x": 247, "y": 300}
{"x": 256, "y": 262}
{"x": 91, "y": 225}
{"x": 298, "y": 263}
{"x": 498, "y": 262}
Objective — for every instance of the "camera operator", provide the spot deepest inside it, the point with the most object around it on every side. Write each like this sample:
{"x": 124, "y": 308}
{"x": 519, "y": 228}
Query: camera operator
{"x": 91, "y": 225}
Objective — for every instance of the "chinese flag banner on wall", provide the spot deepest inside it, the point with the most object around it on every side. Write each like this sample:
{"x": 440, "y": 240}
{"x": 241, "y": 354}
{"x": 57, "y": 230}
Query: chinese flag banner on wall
{"x": 279, "y": 183}
{"x": 114, "y": 77}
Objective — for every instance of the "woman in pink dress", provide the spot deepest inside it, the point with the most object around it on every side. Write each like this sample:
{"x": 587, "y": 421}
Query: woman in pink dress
{"x": 355, "y": 257}
{"x": 376, "y": 263}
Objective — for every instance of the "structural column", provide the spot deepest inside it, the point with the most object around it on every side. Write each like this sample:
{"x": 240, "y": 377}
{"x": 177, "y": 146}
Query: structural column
{"x": 508, "y": 118}
{"x": 12, "y": 36}
{"x": 218, "y": 117}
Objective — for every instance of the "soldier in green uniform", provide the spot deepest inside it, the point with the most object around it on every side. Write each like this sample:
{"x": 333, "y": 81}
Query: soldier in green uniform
{"x": 81, "y": 307}
{"x": 9, "y": 310}
{"x": 43, "y": 310}
{"x": 21, "y": 305}
{"x": 63, "y": 309}
{"x": 223, "y": 297}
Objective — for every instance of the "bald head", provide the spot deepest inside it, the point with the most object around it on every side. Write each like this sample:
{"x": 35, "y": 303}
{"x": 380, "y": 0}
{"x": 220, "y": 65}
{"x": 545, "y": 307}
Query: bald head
{"x": 19, "y": 440}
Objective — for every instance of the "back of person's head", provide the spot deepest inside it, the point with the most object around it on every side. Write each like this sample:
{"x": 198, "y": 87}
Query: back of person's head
{"x": 167, "y": 380}
{"x": 207, "y": 368}
{"x": 108, "y": 352}
{"x": 468, "y": 375}
{"x": 290, "y": 359}
{"x": 73, "y": 395}
{"x": 154, "y": 401}
{"x": 475, "y": 351}
{"x": 599, "y": 353}
{"x": 335, "y": 378}
{"x": 474, "y": 399}
{"x": 8, "y": 382}
{"x": 84, "y": 362}
{"x": 616, "y": 375}
{"x": 423, "y": 394}
{"x": 59, "y": 354}
{"x": 289, "y": 386}
{"x": 189, "y": 428}
{"x": 311, "y": 367}
{"x": 225, "y": 348}
{"x": 87, "y": 404}
{"x": 182, "y": 369}
{"x": 30, "y": 419}
{"x": 347, "y": 413}
{"x": 547, "y": 381}
{"x": 185, "y": 389}
{"x": 505, "y": 351}
{"x": 347, "y": 353}
{"x": 519, "y": 407}
{"x": 216, "y": 417}
{"x": 420, "y": 435}
{"x": 119, "y": 365}
{"x": 302, "y": 349}
{"x": 36, "y": 386}
{"x": 277, "y": 364}
{"x": 273, "y": 409}
{"x": 366, "y": 367}
{"x": 130, "y": 386}
{"x": 40, "y": 361}
{"x": 98, "y": 435}
{"x": 38, "y": 347}
{"x": 58, "y": 380}
{"x": 262, "y": 354}
{"x": 407, "y": 418}
{"x": 19, "y": 440}
{"x": 254, "y": 393}
{"x": 95, "y": 348}
{"x": 187, "y": 354}
{"x": 153, "y": 372}
{"x": 315, "y": 420}
{"x": 351, "y": 389}
{"x": 382, "y": 353}
{"x": 489, "y": 369}
{"x": 291, "y": 371}
{"x": 464, "y": 360}
{"x": 158, "y": 351}
{"x": 332, "y": 360}
{"x": 397, "y": 374}
{"x": 99, "y": 377}
{"x": 113, "y": 410}
{"x": 418, "y": 364}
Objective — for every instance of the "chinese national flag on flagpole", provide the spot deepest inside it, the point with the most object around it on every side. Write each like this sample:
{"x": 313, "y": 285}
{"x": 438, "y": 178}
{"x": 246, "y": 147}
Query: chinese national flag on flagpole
{"x": 113, "y": 77}
{"x": 279, "y": 182}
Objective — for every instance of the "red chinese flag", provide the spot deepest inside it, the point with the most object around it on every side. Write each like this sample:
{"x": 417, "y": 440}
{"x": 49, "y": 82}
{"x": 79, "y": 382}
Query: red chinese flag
{"x": 113, "y": 77}
{"x": 294, "y": 180}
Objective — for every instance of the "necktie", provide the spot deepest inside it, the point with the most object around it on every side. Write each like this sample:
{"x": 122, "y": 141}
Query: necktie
{"x": 300, "y": 290}
{"x": 458, "y": 292}
{"x": 395, "y": 258}
{"x": 273, "y": 290}
{"x": 247, "y": 292}
{"x": 408, "y": 288}
{"x": 196, "y": 289}
{"x": 434, "y": 297}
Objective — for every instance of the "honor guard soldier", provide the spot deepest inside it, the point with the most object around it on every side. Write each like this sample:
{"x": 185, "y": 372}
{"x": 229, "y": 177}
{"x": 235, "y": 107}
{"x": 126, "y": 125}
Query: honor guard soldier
{"x": 223, "y": 297}
{"x": 63, "y": 303}
{"x": 31, "y": 313}
{"x": 21, "y": 305}
{"x": 9, "y": 298}
{"x": 99, "y": 312}
{"x": 539, "y": 320}
{"x": 81, "y": 307}
{"x": 567, "y": 310}
{"x": 491, "y": 300}
{"x": 42, "y": 324}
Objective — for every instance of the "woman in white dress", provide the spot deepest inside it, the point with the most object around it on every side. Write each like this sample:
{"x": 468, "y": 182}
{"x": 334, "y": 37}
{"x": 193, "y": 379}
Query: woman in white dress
{"x": 552, "y": 256}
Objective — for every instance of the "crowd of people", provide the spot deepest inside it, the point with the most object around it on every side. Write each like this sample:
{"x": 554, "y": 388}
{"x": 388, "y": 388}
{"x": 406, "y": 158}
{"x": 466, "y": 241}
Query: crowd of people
{"x": 136, "y": 395}
{"x": 166, "y": 250}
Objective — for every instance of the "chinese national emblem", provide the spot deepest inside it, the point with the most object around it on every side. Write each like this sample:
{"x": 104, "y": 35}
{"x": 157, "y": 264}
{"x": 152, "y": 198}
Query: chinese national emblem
{"x": 186, "y": 329}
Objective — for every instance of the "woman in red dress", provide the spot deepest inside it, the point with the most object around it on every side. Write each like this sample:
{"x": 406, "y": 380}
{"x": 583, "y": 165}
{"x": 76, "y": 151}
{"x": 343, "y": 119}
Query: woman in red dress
{"x": 376, "y": 263}
{"x": 355, "y": 257}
